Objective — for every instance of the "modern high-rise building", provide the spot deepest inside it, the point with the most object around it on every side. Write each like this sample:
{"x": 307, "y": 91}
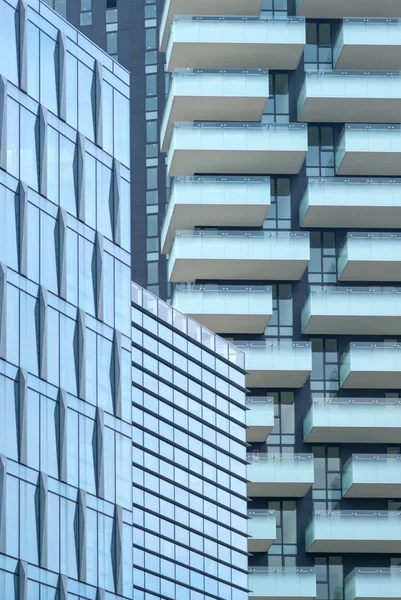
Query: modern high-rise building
{"x": 189, "y": 458}
{"x": 122, "y": 421}
{"x": 65, "y": 308}
{"x": 283, "y": 150}
{"x": 283, "y": 234}
{"x": 128, "y": 31}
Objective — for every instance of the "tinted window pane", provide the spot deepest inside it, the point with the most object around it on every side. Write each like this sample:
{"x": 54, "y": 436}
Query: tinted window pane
{"x": 68, "y": 370}
{"x": 33, "y": 242}
{"x": 104, "y": 200}
{"x": 8, "y": 221}
{"x": 8, "y": 43}
{"x": 12, "y": 137}
{"x": 8, "y": 438}
{"x": 53, "y": 165}
{"x": 68, "y": 168}
{"x": 28, "y": 519}
{"x": 90, "y": 191}
{"x": 48, "y": 257}
{"x": 86, "y": 463}
{"x": 68, "y": 555}
{"x": 48, "y": 66}
{"x": 121, "y": 131}
{"x": 86, "y": 281}
{"x": 86, "y": 101}
{"x": 105, "y": 399}
{"x": 125, "y": 209}
{"x": 107, "y": 117}
{"x": 33, "y": 61}
{"x": 72, "y": 90}
{"x": 48, "y": 437}
{"x": 28, "y": 333}
{"x": 29, "y": 154}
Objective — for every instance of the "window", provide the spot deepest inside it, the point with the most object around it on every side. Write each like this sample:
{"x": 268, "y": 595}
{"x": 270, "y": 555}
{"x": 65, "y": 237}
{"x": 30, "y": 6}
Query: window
{"x": 85, "y": 17}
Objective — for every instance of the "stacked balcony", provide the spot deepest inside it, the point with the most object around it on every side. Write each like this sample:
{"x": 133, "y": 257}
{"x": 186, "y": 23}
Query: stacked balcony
{"x": 279, "y": 475}
{"x": 372, "y": 476}
{"x": 231, "y": 148}
{"x": 352, "y": 311}
{"x": 261, "y": 529}
{"x": 369, "y": 150}
{"x": 226, "y": 309}
{"x": 368, "y": 365}
{"x": 235, "y": 42}
{"x": 282, "y": 583}
{"x": 276, "y": 363}
{"x": 209, "y": 95}
{"x": 238, "y": 255}
{"x": 373, "y": 584}
{"x": 370, "y": 257}
{"x": 354, "y": 532}
{"x": 353, "y": 420}
{"x": 353, "y": 97}
{"x": 371, "y": 44}
{"x": 225, "y": 201}
{"x": 207, "y": 7}
{"x": 259, "y": 418}
{"x": 326, "y": 9}
{"x": 351, "y": 203}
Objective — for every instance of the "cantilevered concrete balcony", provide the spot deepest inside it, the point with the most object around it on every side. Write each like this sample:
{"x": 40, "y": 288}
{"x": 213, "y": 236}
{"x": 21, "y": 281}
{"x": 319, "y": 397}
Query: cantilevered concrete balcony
{"x": 261, "y": 529}
{"x": 279, "y": 475}
{"x": 371, "y": 365}
{"x": 209, "y": 95}
{"x": 327, "y": 9}
{"x": 206, "y": 7}
{"x": 351, "y": 97}
{"x": 234, "y": 201}
{"x": 369, "y": 150}
{"x": 238, "y": 255}
{"x": 356, "y": 532}
{"x": 282, "y": 583}
{"x": 352, "y": 311}
{"x": 259, "y": 418}
{"x": 372, "y": 44}
{"x": 357, "y": 203}
{"x": 276, "y": 363}
{"x": 372, "y": 476}
{"x": 235, "y": 148}
{"x": 373, "y": 584}
{"x": 235, "y": 42}
{"x": 353, "y": 420}
{"x": 370, "y": 257}
{"x": 226, "y": 309}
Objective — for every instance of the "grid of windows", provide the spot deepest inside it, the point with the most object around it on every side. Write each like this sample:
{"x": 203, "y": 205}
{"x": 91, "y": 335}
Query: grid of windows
{"x": 189, "y": 465}
{"x": 65, "y": 301}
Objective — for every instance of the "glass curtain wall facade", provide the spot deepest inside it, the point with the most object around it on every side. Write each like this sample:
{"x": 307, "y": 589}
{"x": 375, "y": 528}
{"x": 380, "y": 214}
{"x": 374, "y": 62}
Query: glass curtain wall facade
{"x": 65, "y": 301}
{"x": 282, "y": 231}
{"x": 128, "y": 31}
{"x": 189, "y": 458}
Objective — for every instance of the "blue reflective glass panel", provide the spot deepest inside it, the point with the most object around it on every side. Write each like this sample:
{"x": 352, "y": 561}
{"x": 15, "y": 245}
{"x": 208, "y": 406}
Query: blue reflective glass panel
{"x": 8, "y": 418}
{"x": 86, "y": 101}
{"x": 121, "y": 128}
{"x": 29, "y": 511}
{"x": 8, "y": 43}
{"x": 48, "y": 68}
{"x": 48, "y": 258}
{"x": 29, "y": 149}
{"x": 8, "y": 221}
{"x": 68, "y": 175}
{"x": 29, "y": 333}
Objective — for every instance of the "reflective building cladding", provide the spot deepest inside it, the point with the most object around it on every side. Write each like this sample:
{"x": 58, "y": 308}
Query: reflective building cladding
{"x": 189, "y": 458}
{"x": 122, "y": 421}
{"x": 65, "y": 302}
